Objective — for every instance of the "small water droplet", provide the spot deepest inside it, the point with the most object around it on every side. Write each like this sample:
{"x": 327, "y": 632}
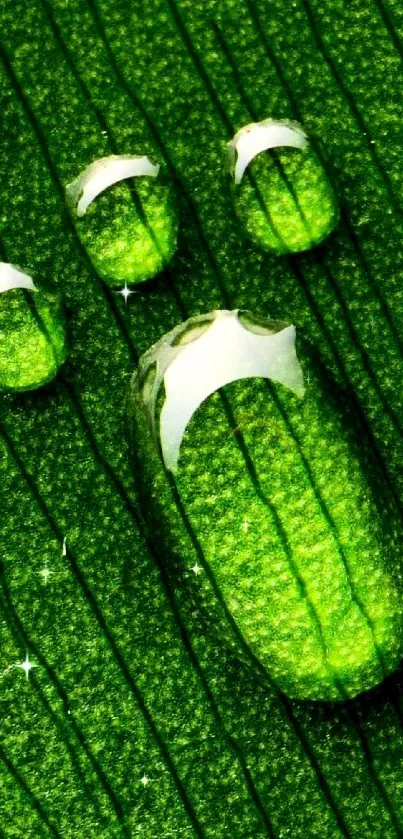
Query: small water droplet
{"x": 285, "y": 201}
{"x": 130, "y": 230}
{"x": 33, "y": 345}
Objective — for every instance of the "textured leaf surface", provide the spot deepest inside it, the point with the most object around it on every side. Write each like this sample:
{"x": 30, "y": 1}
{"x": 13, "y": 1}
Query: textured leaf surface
{"x": 127, "y": 688}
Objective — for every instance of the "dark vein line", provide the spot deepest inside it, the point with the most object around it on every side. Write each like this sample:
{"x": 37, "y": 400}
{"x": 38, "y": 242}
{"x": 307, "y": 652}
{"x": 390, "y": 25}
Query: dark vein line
{"x": 389, "y": 26}
{"x": 352, "y": 713}
{"x": 328, "y": 518}
{"x": 36, "y": 804}
{"x": 301, "y": 585}
{"x": 95, "y": 608}
{"x": 25, "y": 643}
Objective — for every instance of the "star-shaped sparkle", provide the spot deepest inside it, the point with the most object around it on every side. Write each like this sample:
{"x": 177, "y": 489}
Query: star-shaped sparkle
{"x": 125, "y": 292}
{"x": 45, "y": 573}
{"x": 145, "y": 780}
{"x": 196, "y": 569}
{"x": 26, "y": 665}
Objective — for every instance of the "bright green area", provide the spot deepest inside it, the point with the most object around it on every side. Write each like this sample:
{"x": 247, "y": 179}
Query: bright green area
{"x": 286, "y": 202}
{"x": 130, "y": 233}
{"x": 150, "y": 691}
{"x": 306, "y": 561}
{"x": 32, "y": 338}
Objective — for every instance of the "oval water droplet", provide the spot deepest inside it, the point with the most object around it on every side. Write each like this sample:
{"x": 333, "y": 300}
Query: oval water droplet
{"x": 277, "y": 499}
{"x": 126, "y": 217}
{"x": 281, "y": 192}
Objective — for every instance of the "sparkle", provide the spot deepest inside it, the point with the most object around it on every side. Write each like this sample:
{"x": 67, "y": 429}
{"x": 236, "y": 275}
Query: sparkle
{"x": 308, "y": 378}
{"x": 245, "y": 526}
{"x": 64, "y": 547}
{"x": 196, "y": 569}
{"x": 125, "y": 292}
{"x": 145, "y": 780}
{"x": 26, "y": 665}
{"x": 372, "y": 323}
{"x": 45, "y": 573}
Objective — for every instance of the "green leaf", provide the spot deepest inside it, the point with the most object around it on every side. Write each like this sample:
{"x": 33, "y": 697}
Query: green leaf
{"x": 135, "y": 721}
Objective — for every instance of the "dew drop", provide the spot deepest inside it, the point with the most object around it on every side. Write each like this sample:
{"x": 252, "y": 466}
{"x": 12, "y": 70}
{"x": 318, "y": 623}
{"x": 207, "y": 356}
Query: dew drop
{"x": 126, "y": 216}
{"x": 282, "y": 194}
{"x": 32, "y": 333}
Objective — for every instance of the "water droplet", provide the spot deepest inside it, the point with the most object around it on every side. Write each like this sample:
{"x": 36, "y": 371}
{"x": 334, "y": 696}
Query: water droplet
{"x": 284, "y": 200}
{"x": 32, "y": 338}
{"x": 129, "y": 227}
{"x": 299, "y": 564}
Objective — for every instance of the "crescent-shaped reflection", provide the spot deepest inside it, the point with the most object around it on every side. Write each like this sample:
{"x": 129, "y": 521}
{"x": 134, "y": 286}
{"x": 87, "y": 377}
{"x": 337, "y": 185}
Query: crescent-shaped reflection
{"x": 223, "y": 352}
{"x": 257, "y": 137}
{"x": 103, "y": 173}
{"x": 11, "y": 276}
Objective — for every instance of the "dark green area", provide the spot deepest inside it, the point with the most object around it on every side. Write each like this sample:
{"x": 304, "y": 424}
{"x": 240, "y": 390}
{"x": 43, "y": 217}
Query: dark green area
{"x": 150, "y": 692}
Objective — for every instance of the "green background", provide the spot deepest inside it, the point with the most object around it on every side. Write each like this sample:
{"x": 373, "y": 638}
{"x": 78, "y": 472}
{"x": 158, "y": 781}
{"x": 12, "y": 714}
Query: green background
{"x": 126, "y": 686}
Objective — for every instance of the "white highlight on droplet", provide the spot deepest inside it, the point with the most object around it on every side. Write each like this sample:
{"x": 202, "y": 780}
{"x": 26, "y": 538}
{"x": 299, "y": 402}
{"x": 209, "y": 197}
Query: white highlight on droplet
{"x": 257, "y": 137}
{"x": 11, "y": 276}
{"x": 224, "y": 351}
{"x": 103, "y": 173}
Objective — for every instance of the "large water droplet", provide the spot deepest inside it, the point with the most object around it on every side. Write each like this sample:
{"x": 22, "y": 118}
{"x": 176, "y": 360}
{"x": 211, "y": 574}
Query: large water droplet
{"x": 269, "y": 519}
